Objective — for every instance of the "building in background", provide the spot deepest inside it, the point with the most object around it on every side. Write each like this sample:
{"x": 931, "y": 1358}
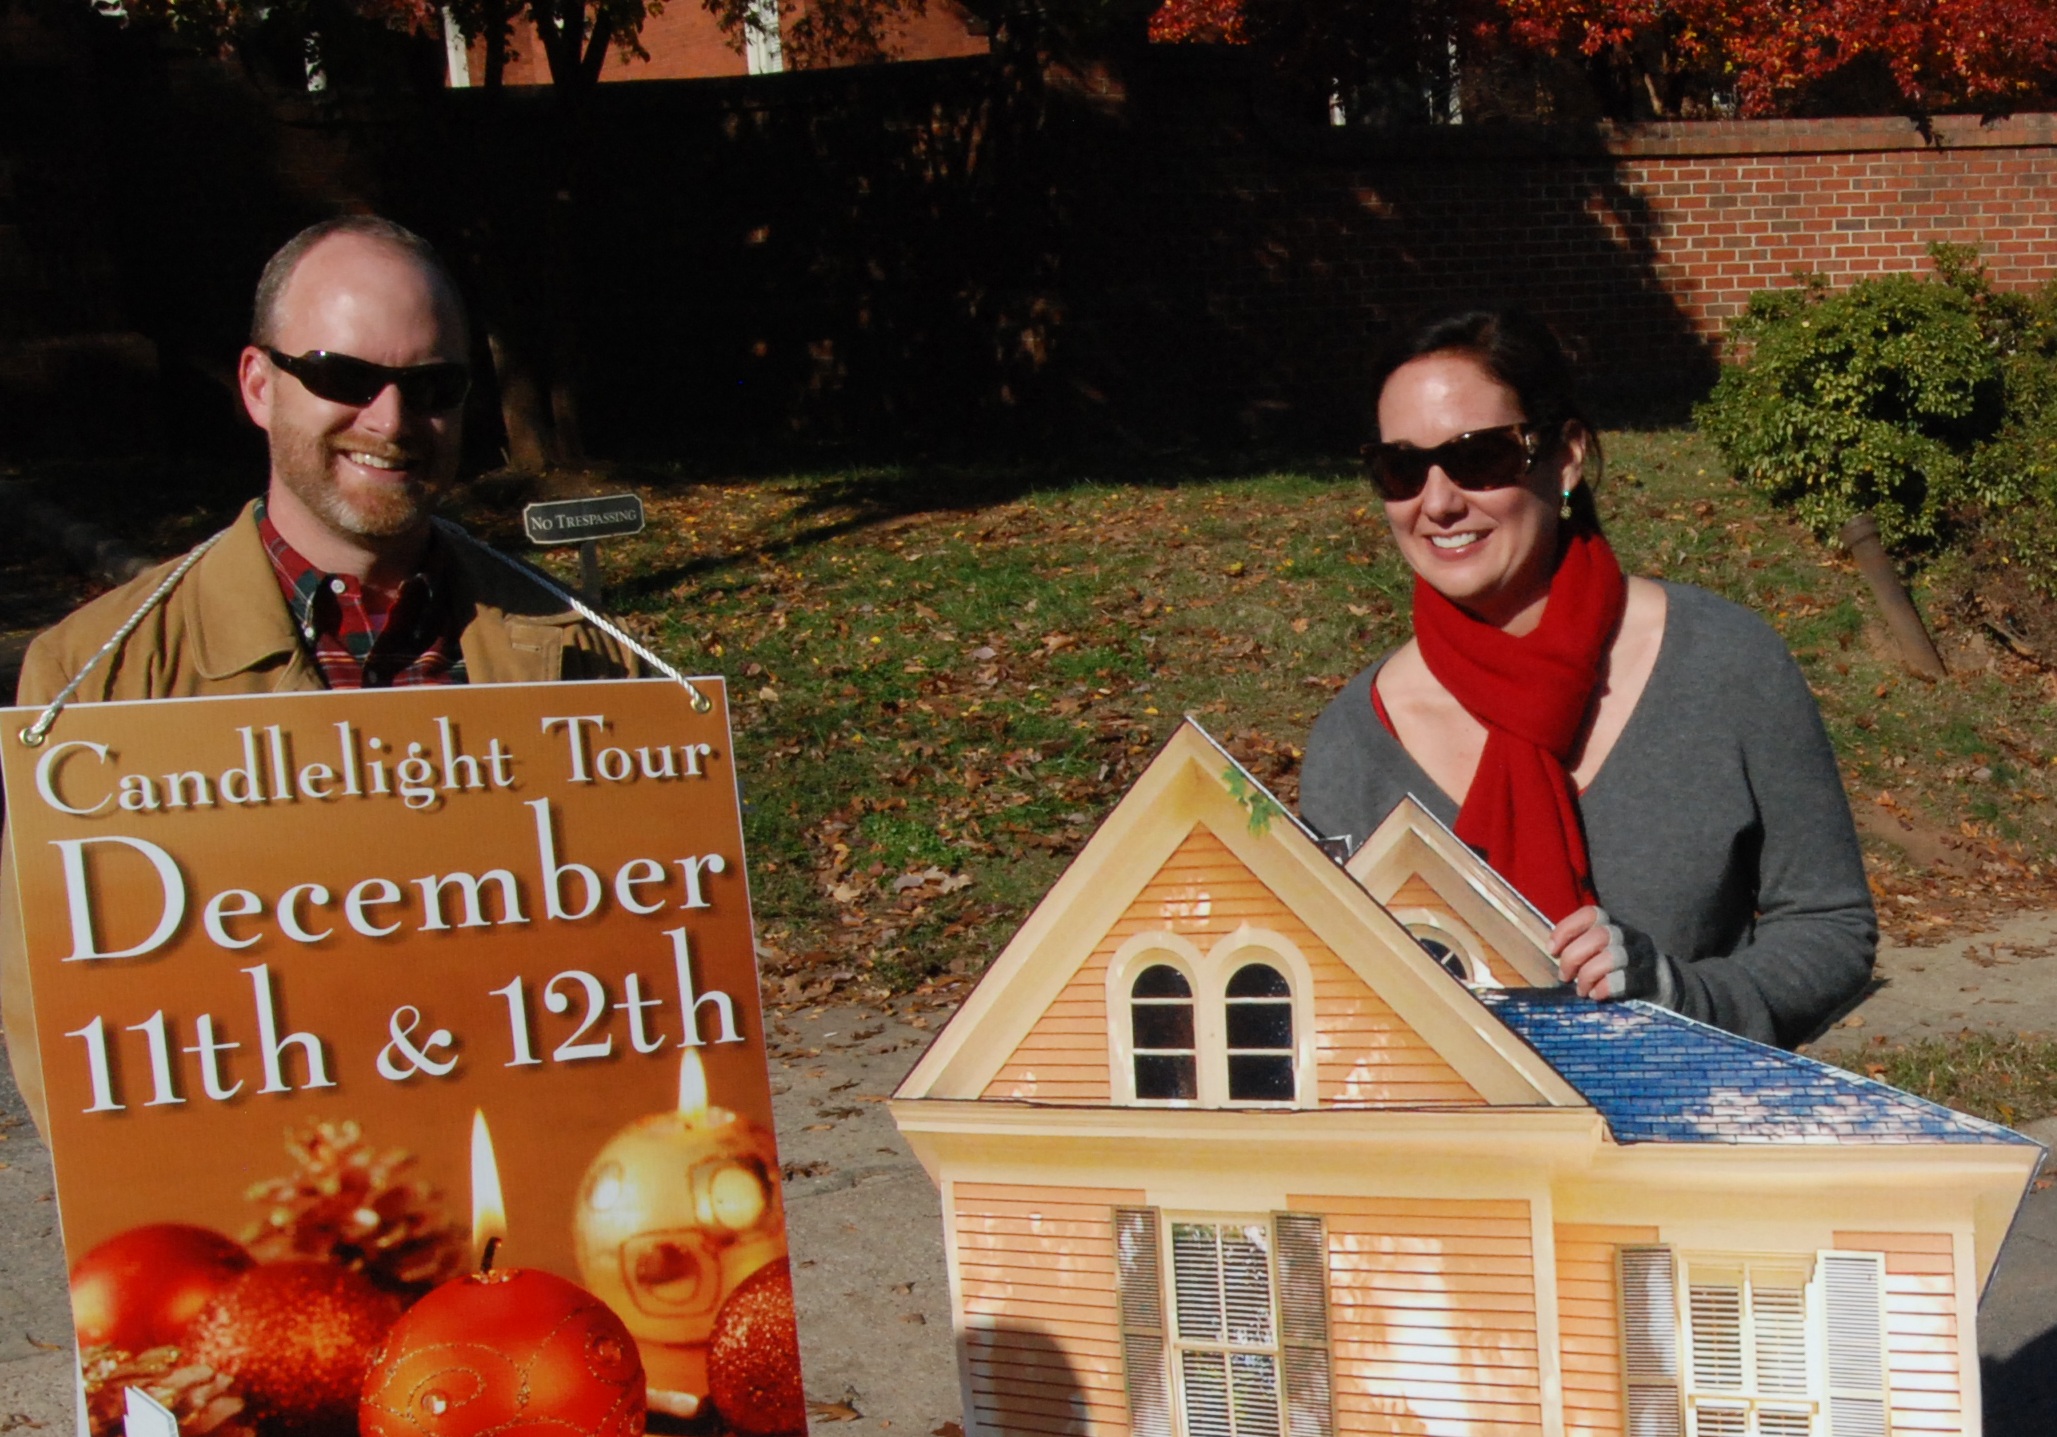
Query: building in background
{"x": 685, "y": 43}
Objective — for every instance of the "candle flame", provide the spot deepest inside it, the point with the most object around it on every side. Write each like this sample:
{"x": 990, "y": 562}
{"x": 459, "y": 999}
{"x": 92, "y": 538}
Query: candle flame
{"x": 488, "y": 1209}
{"x": 692, "y": 1085}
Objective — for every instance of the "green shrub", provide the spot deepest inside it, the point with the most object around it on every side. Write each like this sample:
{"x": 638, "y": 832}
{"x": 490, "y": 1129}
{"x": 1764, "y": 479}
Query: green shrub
{"x": 1871, "y": 398}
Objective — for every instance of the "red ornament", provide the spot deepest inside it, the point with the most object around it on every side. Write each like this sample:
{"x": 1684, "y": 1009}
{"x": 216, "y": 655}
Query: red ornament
{"x": 142, "y": 1288}
{"x": 753, "y": 1359}
{"x": 297, "y": 1337}
{"x": 519, "y": 1351}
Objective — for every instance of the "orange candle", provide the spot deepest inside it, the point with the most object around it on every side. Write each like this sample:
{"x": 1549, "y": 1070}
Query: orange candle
{"x": 503, "y": 1345}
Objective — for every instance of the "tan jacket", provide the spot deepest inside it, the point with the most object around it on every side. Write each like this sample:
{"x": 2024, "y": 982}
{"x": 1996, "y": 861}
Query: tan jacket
{"x": 225, "y": 630}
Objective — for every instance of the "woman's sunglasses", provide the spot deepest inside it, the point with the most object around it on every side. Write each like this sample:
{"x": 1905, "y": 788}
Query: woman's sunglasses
{"x": 345, "y": 379}
{"x": 1482, "y": 459}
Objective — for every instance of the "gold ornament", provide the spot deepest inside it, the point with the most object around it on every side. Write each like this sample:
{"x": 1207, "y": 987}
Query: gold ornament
{"x": 675, "y": 1212}
{"x": 1564, "y": 509}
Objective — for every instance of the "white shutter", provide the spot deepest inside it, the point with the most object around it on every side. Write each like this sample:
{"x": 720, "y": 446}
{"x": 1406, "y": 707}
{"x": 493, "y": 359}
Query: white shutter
{"x": 1301, "y": 1242}
{"x": 1649, "y": 1331}
{"x": 1778, "y": 1335}
{"x": 1715, "y": 1420}
{"x": 1142, "y": 1322}
{"x": 1853, "y": 1285}
{"x": 1714, "y": 1329}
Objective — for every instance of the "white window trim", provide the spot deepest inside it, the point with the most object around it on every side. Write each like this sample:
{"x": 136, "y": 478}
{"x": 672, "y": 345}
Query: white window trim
{"x": 1148, "y": 950}
{"x": 1465, "y": 943}
{"x": 1176, "y": 1346}
{"x": 1811, "y": 1267}
{"x": 1209, "y": 975}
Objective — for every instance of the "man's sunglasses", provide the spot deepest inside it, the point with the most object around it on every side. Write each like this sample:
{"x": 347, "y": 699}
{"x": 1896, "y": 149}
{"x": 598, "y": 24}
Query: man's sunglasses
{"x": 345, "y": 379}
{"x": 1482, "y": 459}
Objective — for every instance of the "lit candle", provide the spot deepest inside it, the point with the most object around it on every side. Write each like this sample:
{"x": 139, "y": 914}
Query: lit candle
{"x": 674, "y": 1214}
{"x": 503, "y": 1346}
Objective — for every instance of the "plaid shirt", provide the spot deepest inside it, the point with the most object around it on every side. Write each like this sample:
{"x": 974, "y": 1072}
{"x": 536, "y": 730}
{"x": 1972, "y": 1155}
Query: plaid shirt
{"x": 363, "y": 639}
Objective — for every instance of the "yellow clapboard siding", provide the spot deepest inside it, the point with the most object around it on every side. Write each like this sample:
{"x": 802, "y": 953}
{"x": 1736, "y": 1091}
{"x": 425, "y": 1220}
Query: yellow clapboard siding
{"x": 1399, "y": 1378}
{"x": 1036, "y": 1301}
{"x": 1019, "y": 1348}
{"x": 1508, "y": 1208}
{"x": 1080, "y": 1295}
{"x": 1368, "y": 1244}
{"x": 1076, "y": 1204}
{"x": 1099, "y": 1373}
{"x": 1432, "y": 1314}
{"x": 1589, "y": 1324}
{"x": 1050, "y": 1402}
{"x": 1061, "y": 1266}
{"x": 1511, "y": 1350}
{"x": 1009, "y": 1421}
{"x": 1048, "y": 1229}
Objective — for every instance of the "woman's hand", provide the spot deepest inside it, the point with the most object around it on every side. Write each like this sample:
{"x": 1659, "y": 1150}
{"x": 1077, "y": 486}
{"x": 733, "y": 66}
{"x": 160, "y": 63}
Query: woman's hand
{"x": 1605, "y": 960}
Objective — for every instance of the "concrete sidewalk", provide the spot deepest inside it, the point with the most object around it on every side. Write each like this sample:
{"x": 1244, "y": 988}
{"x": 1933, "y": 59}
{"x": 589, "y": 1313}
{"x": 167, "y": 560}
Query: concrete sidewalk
{"x": 867, "y": 1228}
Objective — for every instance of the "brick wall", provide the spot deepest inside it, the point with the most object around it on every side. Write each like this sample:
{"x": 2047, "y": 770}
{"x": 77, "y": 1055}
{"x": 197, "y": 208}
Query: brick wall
{"x": 1286, "y": 255}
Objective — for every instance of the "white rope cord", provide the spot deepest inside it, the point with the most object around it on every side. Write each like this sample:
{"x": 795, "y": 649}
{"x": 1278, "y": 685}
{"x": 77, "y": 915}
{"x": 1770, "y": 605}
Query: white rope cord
{"x": 33, "y": 735}
{"x": 701, "y": 703}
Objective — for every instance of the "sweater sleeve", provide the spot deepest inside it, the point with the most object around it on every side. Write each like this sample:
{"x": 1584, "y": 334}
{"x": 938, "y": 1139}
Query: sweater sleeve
{"x": 1815, "y": 935}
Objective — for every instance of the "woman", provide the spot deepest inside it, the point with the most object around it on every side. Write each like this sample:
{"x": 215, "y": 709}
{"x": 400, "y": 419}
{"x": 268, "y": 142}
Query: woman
{"x": 1642, "y": 760}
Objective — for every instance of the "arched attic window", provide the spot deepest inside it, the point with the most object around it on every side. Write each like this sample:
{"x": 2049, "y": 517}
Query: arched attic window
{"x": 1162, "y": 1035}
{"x": 1260, "y": 1035}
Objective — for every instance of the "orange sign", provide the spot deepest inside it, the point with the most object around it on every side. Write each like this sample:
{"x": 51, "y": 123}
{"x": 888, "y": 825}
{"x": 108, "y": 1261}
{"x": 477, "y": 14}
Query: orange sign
{"x": 278, "y": 946}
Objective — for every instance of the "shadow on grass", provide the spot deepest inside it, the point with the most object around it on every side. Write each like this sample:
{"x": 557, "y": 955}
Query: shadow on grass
{"x": 842, "y": 503}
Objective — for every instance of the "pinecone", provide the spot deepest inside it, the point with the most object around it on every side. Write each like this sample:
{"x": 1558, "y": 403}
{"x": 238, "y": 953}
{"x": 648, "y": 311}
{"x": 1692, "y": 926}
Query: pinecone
{"x": 204, "y": 1401}
{"x": 350, "y": 1204}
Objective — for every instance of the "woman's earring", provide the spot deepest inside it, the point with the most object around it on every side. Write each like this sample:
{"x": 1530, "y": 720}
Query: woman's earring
{"x": 1564, "y": 509}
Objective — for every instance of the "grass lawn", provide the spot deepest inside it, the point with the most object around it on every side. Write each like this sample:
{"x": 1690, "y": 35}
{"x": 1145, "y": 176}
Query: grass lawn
{"x": 943, "y": 678}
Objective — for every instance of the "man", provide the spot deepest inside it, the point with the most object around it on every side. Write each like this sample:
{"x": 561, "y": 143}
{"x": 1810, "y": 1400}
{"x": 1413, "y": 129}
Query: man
{"x": 338, "y": 577}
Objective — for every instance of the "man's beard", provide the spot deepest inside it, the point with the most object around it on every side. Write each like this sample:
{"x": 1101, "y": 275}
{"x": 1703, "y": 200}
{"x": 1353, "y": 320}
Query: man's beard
{"x": 305, "y": 464}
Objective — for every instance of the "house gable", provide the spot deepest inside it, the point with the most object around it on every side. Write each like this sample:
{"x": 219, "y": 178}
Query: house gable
{"x": 1200, "y": 850}
{"x": 1365, "y": 1054}
{"x": 1426, "y": 876}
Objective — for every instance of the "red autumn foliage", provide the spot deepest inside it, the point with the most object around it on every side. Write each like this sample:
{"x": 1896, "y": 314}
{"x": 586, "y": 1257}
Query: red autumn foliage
{"x": 1939, "y": 54}
{"x": 1933, "y": 55}
{"x": 1206, "y": 21}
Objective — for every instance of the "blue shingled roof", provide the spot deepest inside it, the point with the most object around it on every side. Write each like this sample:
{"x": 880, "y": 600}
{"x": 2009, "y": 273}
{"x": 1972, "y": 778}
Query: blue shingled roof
{"x": 1657, "y": 1077}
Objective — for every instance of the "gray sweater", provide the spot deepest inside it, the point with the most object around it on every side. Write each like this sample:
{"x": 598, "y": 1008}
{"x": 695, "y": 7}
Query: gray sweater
{"x": 1717, "y": 826}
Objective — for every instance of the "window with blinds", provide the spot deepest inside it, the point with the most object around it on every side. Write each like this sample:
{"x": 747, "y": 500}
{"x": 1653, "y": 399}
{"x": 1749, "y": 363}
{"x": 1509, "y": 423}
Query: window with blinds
{"x": 1753, "y": 1347}
{"x": 1241, "y": 1347}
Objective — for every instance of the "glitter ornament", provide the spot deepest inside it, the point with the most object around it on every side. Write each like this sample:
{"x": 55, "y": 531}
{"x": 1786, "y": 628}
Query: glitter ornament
{"x": 753, "y": 1359}
{"x": 297, "y": 1337}
{"x": 674, "y": 1213}
{"x": 140, "y": 1289}
{"x": 518, "y": 1350}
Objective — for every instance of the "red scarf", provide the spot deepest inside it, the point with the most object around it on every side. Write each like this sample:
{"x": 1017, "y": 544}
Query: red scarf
{"x": 1533, "y": 694}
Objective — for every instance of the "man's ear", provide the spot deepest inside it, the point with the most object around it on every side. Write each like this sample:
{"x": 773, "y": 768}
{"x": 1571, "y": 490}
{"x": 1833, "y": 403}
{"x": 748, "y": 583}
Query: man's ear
{"x": 256, "y": 378}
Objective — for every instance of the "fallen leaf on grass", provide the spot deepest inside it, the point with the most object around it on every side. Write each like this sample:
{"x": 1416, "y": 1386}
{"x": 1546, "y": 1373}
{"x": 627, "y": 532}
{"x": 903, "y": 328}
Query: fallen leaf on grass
{"x": 903, "y": 1289}
{"x": 948, "y": 1429}
{"x": 833, "y": 1412}
{"x": 914, "y": 1318}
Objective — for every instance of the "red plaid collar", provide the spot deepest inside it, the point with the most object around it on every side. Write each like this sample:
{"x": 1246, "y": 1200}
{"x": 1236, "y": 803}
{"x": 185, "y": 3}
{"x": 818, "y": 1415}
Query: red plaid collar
{"x": 361, "y": 638}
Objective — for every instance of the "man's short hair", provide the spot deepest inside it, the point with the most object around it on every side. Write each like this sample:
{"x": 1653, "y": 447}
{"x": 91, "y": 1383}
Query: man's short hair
{"x": 278, "y": 271}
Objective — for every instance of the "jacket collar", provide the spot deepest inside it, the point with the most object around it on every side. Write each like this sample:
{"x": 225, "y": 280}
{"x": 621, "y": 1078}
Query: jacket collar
{"x": 237, "y": 618}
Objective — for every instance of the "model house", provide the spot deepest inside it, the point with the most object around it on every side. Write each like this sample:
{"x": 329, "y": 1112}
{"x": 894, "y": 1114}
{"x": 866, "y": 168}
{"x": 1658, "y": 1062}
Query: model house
{"x": 1236, "y": 1141}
